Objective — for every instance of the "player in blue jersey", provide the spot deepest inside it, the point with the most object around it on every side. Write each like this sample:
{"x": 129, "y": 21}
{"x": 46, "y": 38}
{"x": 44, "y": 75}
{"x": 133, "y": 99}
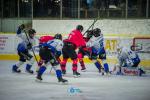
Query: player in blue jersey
{"x": 98, "y": 51}
{"x": 23, "y": 48}
{"x": 49, "y": 52}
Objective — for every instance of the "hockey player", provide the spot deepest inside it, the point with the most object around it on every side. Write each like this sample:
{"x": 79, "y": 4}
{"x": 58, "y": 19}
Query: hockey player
{"x": 74, "y": 41}
{"x": 129, "y": 59}
{"x": 97, "y": 46}
{"x": 43, "y": 40}
{"x": 23, "y": 49}
{"x": 87, "y": 51}
{"x": 48, "y": 53}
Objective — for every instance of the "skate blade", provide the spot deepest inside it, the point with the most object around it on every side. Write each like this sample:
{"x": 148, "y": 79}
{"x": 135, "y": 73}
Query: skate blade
{"x": 63, "y": 74}
{"x": 37, "y": 80}
{"x": 83, "y": 70}
{"x": 75, "y": 76}
{"x": 64, "y": 83}
{"x": 29, "y": 72}
{"x": 16, "y": 72}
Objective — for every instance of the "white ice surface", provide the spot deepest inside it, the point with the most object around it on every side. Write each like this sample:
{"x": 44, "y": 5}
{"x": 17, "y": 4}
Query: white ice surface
{"x": 92, "y": 85}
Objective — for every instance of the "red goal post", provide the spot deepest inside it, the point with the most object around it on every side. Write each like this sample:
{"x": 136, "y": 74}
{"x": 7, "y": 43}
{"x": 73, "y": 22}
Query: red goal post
{"x": 141, "y": 44}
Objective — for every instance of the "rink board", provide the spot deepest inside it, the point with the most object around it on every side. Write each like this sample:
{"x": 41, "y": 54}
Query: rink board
{"x": 9, "y": 42}
{"x": 144, "y": 63}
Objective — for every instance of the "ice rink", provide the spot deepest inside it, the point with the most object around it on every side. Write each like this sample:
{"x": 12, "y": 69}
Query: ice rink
{"x": 90, "y": 86}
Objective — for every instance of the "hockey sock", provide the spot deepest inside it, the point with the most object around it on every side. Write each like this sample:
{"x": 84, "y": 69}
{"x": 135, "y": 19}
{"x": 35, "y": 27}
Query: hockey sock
{"x": 74, "y": 65}
{"x": 106, "y": 68}
{"x": 58, "y": 73}
{"x": 80, "y": 57}
{"x": 28, "y": 67}
{"x": 41, "y": 70}
{"x": 14, "y": 68}
{"x": 98, "y": 65}
{"x": 82, "y": 63}
{"x": 63, "y": 64}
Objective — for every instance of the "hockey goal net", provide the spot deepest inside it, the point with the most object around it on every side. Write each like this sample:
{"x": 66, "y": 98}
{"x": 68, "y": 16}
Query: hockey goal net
{"x": 141, "y": 44}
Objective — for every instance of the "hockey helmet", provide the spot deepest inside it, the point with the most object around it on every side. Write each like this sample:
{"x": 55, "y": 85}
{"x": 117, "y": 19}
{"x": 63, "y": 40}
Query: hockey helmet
{"x": 22, "y": 26}
{"x": 97, "y": 32}
{"x": 79, "y": 27}
{"x": 58, "y": 36}
{"x": 31, "y": 33}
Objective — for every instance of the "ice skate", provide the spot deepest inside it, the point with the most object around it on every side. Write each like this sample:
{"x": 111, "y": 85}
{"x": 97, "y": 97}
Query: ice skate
{"x": 30, "y": 71}
{"x": 15, "y": 69}
{"x": 83, "y": 69}
{"x": 61, "y": 80}
{"x": 63, "y": 72}
{"x": 39, "y": 78}
{"x": 76, "y": 74}
{"x": 108, "y": 74}
{"x": 102, "y": 71}
{"x": 141, "y": 71}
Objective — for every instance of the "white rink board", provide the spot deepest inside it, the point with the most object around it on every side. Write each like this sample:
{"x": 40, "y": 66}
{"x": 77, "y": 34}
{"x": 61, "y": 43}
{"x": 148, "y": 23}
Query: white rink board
{"x": 10, "y": 44}
{"x": 106, "y": 25}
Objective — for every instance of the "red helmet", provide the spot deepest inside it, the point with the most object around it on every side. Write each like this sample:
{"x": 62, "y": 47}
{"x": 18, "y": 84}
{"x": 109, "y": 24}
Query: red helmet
{"x": 44, "y": 39}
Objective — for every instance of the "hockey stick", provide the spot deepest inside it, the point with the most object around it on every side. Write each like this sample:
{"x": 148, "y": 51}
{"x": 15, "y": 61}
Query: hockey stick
{"x": 31, "y": 47}
{"x": 92, "y": 25}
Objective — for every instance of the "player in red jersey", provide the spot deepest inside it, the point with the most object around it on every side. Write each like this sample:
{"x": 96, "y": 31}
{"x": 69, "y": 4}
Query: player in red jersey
{"x": 74, "y": 41}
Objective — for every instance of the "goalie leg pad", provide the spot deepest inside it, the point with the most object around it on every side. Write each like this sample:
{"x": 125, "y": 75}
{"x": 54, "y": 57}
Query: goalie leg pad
{"x": 130, "y": 71}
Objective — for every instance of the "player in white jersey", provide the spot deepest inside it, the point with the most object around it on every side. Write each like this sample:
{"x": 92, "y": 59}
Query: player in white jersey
{"x": 23, "y": 48}
{"x": 97, "y": 45}
{"x": 49, "y": 53}
{"x": 129, "y": 59}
